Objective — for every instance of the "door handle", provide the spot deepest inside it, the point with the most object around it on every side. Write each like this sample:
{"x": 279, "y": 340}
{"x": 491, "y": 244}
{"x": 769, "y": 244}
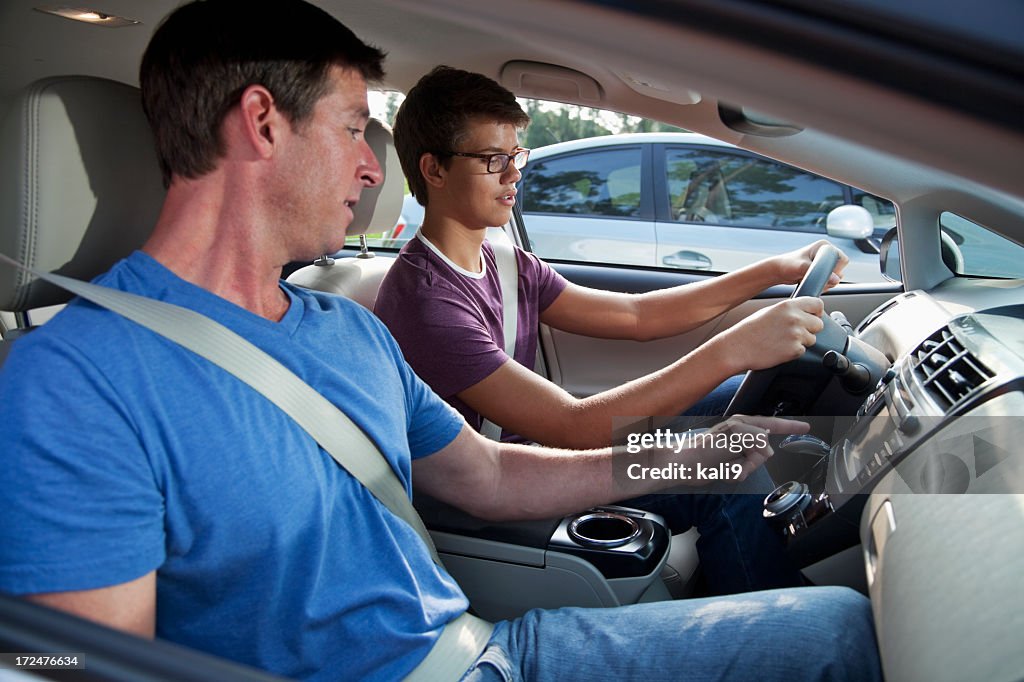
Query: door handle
{"x": 687, "y": 260}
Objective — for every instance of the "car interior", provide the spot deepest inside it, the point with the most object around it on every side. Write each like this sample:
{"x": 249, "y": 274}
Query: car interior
{"x": 911, "y": 489}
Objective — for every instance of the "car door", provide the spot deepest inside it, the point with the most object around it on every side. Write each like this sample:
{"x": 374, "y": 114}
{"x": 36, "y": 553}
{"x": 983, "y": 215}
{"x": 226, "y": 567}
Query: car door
{"x": 722, "y": 208}
{"x": 585, "y": 366}
{"x": 611, "y": 253}
{"x": 592, "y": 205}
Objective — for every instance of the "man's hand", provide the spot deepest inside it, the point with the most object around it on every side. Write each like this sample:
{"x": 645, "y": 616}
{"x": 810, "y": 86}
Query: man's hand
{"x": 740, "y": 442}
{"x": 792, "y": 266}
{"x": 771, "y": 336}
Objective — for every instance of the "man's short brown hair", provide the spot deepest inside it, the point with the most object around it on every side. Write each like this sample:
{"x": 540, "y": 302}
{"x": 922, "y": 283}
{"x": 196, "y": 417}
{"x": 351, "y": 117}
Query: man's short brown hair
{"x": 205, "y": 54}
{"x": 436, "y": 112}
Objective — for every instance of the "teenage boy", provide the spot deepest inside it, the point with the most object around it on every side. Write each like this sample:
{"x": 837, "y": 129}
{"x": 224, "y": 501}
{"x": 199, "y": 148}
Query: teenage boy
{"x": 149, "y": 490}
{"x": 457, "y": 138}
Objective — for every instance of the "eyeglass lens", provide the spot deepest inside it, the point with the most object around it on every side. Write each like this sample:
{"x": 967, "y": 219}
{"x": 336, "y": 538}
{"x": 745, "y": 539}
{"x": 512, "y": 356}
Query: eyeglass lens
{"x": 498, "y": 163}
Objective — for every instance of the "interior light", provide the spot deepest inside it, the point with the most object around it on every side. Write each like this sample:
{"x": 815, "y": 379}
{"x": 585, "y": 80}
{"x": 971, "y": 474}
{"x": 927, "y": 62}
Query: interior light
{"x": 89, "y": 16}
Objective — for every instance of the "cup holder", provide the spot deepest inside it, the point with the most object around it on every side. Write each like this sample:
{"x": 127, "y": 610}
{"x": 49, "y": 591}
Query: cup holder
{"x": 603, "y": 529}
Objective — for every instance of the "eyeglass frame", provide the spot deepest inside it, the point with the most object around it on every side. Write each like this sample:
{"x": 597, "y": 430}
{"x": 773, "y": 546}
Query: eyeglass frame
{"x": 509, "y": 158}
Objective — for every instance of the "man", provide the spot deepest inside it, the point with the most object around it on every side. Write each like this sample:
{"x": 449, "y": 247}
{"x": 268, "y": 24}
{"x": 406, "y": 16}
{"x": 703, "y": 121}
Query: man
{"x": 150, "y": 491}
{"x": 456, "y": 136}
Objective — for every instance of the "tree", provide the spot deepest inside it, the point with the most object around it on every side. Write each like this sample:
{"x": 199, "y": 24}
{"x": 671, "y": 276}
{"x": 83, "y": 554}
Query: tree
{"x": 551, "y": 123}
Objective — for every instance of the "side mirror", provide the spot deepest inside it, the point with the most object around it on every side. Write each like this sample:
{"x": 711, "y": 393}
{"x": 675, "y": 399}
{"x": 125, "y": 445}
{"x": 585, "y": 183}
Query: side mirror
{"x": 849, "y": 222}
{"x": 889, "y": 256}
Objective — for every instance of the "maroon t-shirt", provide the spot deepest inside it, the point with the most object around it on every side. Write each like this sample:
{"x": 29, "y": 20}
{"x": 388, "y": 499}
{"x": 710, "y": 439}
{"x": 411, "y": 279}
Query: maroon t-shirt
{"x": 448, "y": 321}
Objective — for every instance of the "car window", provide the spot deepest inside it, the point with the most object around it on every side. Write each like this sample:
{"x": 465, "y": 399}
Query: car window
{"x": 739, "y": 190}
{"x": 706, "y": 207}
{"x": 882, "y": 211}
{"x": 983, "y": 252}
{"x": 603, "y": 183}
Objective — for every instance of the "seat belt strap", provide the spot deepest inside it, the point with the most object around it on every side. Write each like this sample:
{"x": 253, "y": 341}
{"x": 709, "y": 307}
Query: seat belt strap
{"x": 456, "y": 650}
{"x": 328, "y": 426}
{"x": 508, "y": 278}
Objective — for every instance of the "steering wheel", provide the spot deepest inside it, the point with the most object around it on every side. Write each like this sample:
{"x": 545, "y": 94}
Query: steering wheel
{"x": 818, "y": 273}
{"x": 802, "y": 375}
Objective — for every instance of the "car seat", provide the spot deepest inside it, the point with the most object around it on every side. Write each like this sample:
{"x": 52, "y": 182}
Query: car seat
{"x": 378, "y": 210}
{"x": 80, "y": 187}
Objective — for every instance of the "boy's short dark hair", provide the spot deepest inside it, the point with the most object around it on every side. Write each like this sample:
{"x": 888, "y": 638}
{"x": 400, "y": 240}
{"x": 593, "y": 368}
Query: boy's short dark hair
{"x": 205, "y": 54}
{"x": 434, "y": 116}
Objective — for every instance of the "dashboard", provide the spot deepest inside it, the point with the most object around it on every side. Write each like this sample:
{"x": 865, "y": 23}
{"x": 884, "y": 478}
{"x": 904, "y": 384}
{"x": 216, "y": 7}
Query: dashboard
{"x": 928, "y": 476}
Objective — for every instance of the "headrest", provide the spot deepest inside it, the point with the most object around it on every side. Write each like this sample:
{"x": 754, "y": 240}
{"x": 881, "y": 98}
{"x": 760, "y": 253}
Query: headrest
{"x": 355, "y": 278}
{"x": 379, "y": 207}
{"x": 80, "y": 186}
{"x": 377, "y": 211}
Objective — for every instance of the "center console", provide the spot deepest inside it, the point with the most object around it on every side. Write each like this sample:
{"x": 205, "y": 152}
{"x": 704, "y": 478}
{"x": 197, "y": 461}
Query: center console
{"x": 600, "y": 557}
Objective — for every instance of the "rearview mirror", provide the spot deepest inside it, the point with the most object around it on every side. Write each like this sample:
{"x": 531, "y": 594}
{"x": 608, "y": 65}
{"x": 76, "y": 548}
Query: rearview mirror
{"x": 849, "y": 222}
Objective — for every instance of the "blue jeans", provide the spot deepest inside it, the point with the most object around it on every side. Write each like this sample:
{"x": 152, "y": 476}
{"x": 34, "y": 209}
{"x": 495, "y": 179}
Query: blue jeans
{"x": 714, "y": 403}
{"x": 739, "y": 551}
{"x": 814, "y": 633}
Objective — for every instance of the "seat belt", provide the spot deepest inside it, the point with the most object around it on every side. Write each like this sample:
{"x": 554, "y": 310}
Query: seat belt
{"x": 463, "y": 639}
{"x": 508, "y": 278}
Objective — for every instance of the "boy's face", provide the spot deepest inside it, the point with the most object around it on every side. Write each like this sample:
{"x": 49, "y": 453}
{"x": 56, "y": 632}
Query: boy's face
{"x": 471, "y": 195}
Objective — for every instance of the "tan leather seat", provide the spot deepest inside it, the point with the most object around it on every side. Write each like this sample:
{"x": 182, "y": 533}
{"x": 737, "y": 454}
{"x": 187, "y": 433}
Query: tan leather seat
{"x": 80, "y": 188}
{"x": 378, "y": 209}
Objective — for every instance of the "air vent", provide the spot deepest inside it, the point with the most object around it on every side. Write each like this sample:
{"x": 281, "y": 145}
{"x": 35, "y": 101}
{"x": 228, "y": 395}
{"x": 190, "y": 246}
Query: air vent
{"x": 947, "y": 370}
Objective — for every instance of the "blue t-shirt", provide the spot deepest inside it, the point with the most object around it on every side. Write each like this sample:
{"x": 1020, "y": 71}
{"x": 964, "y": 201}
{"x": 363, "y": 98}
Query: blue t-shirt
{"x": 125, "y": 453}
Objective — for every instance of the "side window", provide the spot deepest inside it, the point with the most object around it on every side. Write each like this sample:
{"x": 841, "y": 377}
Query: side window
{"x": 882, "y": 211}
{"x": 979, "y": 252}
{"x": 734, "y": 189}
{"x": 599, "y": 184}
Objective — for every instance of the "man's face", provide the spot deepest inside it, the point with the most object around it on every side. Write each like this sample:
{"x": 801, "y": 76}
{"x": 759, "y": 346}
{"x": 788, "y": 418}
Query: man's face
{"x": 474, "y": 197}
{"x": 326, "y": 165}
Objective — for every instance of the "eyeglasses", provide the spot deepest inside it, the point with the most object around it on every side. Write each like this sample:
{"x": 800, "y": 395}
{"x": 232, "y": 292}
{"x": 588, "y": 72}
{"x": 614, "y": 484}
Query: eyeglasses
{"x": 498, "y": 163}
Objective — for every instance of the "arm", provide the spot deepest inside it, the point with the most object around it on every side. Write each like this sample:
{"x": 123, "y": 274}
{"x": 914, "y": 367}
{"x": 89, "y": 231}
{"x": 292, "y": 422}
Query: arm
{"x": 506, "y": 482}
{"x": 553, "y": 417}
{"x": 668, "y": 312}
{"x": 129, "y": 606}
{"x": 82, "y": 516}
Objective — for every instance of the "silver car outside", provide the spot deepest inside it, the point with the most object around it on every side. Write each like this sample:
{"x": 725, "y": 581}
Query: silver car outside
{"x": 684, "y": 201}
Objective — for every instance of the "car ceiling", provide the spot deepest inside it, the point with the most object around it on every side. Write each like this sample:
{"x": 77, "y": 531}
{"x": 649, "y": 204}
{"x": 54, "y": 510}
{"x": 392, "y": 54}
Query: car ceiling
{"x": 932, "y": 149}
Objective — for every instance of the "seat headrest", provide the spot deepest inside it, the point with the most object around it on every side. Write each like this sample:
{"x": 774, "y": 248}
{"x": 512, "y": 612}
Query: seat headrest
{"x": 379, "y": 207}
{"x": 80, "y": 186}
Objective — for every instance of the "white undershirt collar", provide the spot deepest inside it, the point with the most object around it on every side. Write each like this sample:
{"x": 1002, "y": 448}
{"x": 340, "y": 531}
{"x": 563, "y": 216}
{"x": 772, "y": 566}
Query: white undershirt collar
{"x": 457, "y": 268}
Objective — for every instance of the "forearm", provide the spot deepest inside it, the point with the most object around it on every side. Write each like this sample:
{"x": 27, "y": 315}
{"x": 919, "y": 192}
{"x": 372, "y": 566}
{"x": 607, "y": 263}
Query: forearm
{"x": 669, "y": 312}
{"x": 541, "y": 483}
{"x": 588, "y": 422}
{"x": 508, "y": 482}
